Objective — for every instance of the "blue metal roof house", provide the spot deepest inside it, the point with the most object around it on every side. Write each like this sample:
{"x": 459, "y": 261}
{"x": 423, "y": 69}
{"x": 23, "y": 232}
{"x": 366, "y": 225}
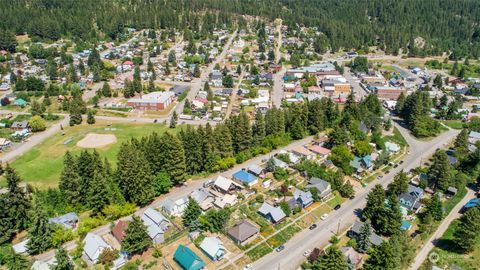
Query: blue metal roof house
{"x": 187, "y": 259}
{"x": 245, "y": 177}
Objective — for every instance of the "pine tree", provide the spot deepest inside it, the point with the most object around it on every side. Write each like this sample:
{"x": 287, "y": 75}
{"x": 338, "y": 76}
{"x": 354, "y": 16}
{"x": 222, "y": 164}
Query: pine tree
{"x": 106, "y": 90}
{"x": 196, "y": 71}
{"x": 399, "y": 184}
{"x": 63, "y": 262}
{"x": 191, "y": 214}
{"x": 39, "y": 232}
{"x": 389, "y": 219}
{"x": 461, "y": 142}
{"x": 435, "y": 208}
{"x": 174, "y": 163}
{"x": 466, "y": 235}
{"x": 259, "y": 129}
{"x": 173, "y": 120}
{"x": 363, "y": 239}
{"x": 375, "y": 202}
{"x": 161, "y": 183}
{"x": 134, "y": 175}
{"x": 223, "y": 140}
{"x": 136, "y": 237}
{"x": 98, "y": 193}
{"x": 90, "y": 117}
{"x": 331, "y": 259}
{"x": 382, "y": 257}
{"x": 441, "y": 171}
{"x": 70, "y": 180}
{"x": 401, "y": 242}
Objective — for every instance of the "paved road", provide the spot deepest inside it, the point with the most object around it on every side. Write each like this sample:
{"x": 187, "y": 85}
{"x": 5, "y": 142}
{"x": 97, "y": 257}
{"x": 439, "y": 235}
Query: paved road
{"x": 33, "y": 141}
{"x": 454, "y": 214}
{"x": 233, "y": 97}
{"x": 277, "y": 91}
{"x": 291, "y": 257}
{"x": 179, "y": 192}
{"x": 198, "y": 83}
{"x": 355, "y": 82}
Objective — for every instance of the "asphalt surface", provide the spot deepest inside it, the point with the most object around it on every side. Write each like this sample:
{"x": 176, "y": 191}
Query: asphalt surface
{"x": 292, "y": 256}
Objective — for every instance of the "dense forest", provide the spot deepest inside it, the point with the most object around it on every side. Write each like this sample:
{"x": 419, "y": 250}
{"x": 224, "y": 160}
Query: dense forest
{"x": 443, "y": 25}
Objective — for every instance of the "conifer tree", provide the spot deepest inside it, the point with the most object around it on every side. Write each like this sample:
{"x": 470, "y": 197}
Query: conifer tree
{"x": 174, "y": 158}
{"x": 90, "y": 118}
{"x": 191, "y": 214}
{"x": 466, "y": 235}
{"x": 382, "y": 257}
{"x": 70, "y": 180}
{"x": 435, "y": 208}
{"x": 223, "y": 140}
{"x": 63, "y": 262}
{"x": 363, "y": 240}
{"x": 99, "y": 193}
{"x": 136, "y": 237}
{"x": 331, "y": 259}
{"x": 40, "y": 232}
{"x": 134, "y": 175}
{"x": 375, "y": 203}
{"x": 173, "y": 120}
{"x": 441, "y": 171}
{"x": 259, "y": 129}
{"x": 399, "y": 184}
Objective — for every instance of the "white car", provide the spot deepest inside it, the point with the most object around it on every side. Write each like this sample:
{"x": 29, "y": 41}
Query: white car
{"x": 307, "y": 252}
{"x": 247, "y": 267}
{"x": 324, "y": 216}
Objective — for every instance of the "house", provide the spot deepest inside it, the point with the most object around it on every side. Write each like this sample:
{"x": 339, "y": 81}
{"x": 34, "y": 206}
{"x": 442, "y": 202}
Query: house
{"x": 354, "y": 232}
{"x": 361, "y": 164}
{"x": 175, "y": 208}
{"x": 44, "y": 265}
{"x": 213, "y": 247}
{"x": 319, "y": 150}
{"x": 392, "y": 147}
{"x": 243, "y": 232}
{"x": 19, "y": 126}
{"x": 473, "y": 137}
{"x": 416, "y": 191}
{"x": 303, "y": 152}
{"x": 304, "y": 199}
{"x": 451, "y": 191}
{"x": 245, "y": 177}
{"x": 225, "y": 185}
{"x": 280, "y": 163}
{"x": 187, "y": 259}
{"x": 471, "y": 203}
{"x": 352, "y": 256}
{"x": 272, "y": 213}
{"x": 256, "y": 170}
{"x": 156, "y": 224}
{"x": 323, "y": 187}
{"x": 68, "y": 220}
{"x": 409, "y": 201}
{"x": 4, "y": 143}
{"x": 118, "y": 230}
{"x": 154, "y": 101}
{"x": 93, "y": 247}
{"x": 225, "y": 200}
{"x": 203, "y": 198}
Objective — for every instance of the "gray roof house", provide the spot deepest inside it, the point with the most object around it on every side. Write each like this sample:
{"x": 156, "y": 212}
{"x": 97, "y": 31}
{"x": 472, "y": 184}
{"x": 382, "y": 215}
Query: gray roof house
{"x": 68, "y": 220}
{"x": 203, "y": 198}
{"x": 324, "y": 188}
{"x": 473, "y": 137}
{"x": 179, "y": 89}
{"x": 175, "y": 208}
{"x": 304, "y": 199}
{"x": 256, "y": 170}
{"x": 243, "y": 232}
{"x": 156, "y": 224}
{"x": 93, "y": 247}
{"x": 409, "y": 201}
{"x": 19, "y": 125}
{"x": 213, "y": 247}
{"x": 280, "y": 163}
{"x": 272, "y": 213}
{"x": 415, "y": 191}
{"x": 375, "y": 239}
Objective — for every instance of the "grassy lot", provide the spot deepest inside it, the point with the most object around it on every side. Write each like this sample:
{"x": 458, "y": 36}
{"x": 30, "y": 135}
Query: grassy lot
{"x": 449, "y": 257}
{"x": 42, "y": 165}
{"x": 455, "y": 124}
{"x": 335, "y": 200}
{"x": 259, "y": 251}
{"x": 396, "y": 137}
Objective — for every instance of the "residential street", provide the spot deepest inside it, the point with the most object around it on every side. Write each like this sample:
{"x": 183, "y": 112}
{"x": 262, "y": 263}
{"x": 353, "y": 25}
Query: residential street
{"x": 179, "y": 192}
{"x": 454, "y": 214}
{"x": 291, "y": 257}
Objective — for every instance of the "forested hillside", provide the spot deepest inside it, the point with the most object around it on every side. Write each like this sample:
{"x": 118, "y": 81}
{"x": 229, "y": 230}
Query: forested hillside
{"x": 445, "y": 25}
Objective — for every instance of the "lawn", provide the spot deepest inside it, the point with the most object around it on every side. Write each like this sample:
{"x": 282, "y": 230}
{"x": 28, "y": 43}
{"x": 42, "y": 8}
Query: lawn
{"x": 455, "y": 124}
{"x": 42, "y": 165}
{"x": 396, "y": 137}
{"x": 259, "y": 251}
{"x": 449, "y": 257}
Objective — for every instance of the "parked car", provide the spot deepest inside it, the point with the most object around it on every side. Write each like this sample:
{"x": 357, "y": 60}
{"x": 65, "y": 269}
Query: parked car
{"x": 313, "y": 226}
{"x": 247, "y": 267}
{"x": 324, "y": 216}
{"x": 280, "y": 248}
{"x": 307, "y": 252}
{"x": 208, "y": 183}
{"x": 337, "y": 207}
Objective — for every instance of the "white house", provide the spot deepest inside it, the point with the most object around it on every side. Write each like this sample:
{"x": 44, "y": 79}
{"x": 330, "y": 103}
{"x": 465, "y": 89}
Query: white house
{"x": 156, "y": 224}
{"x": 93, "y": 247}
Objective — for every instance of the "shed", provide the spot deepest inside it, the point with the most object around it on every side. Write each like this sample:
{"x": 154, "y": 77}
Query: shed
{"x": 68, "y": 220}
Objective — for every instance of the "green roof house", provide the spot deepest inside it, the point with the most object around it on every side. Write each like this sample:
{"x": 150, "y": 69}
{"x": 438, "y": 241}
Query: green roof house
{"x": 187, "y": 259}
{"x": 20, "y": 102}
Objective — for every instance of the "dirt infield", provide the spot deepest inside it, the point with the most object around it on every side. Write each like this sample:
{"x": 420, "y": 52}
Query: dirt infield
{"x": 94, "y": 140}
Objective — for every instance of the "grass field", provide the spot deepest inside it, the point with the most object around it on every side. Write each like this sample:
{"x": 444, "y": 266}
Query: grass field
{"x": 449, "y": 257}
{"x": 42, "y": 165}
{"x": 455, "y": 124}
